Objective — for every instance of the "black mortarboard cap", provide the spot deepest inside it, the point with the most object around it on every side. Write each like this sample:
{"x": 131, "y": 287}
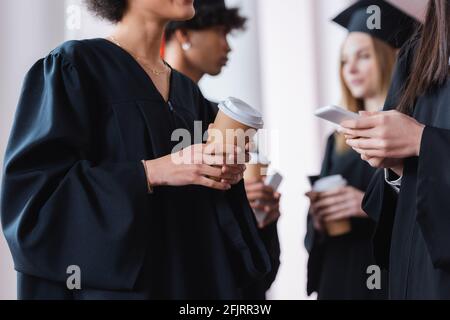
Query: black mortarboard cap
{"x": 395, "y": 26}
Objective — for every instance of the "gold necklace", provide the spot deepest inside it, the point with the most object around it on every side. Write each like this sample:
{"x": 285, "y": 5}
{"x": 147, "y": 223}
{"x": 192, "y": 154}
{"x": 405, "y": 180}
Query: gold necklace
{"x": 141, "y": 61}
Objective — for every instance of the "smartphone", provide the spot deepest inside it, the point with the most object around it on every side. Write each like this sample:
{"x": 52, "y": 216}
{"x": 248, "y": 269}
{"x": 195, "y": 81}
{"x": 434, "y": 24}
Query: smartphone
{"x": 274, "y": 181}
{"x": 336, "y": 114}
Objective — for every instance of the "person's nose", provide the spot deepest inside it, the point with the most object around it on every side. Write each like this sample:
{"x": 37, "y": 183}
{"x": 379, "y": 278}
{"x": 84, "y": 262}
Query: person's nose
{"x": 352, "y": 66}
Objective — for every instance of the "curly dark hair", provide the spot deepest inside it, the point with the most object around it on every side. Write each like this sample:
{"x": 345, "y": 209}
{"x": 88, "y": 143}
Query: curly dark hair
{"x": 112, "y": 10}
{"x": 209, "y": 17}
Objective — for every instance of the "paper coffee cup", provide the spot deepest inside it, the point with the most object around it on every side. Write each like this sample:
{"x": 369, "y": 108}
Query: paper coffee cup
{"x": 340, "y": 227}
{"x": 257, "y": 168}
{"x": 256, "y": 171}
{"x": 236, "y": 123}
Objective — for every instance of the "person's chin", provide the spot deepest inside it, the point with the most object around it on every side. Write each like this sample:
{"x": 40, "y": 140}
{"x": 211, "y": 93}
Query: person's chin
{"x": 185, "y": 15}
{"x": 186, "y": 11}
{"x": 358, "y": 93}
{"x": 215, "y": 72}
{"x": 190, "y": 13}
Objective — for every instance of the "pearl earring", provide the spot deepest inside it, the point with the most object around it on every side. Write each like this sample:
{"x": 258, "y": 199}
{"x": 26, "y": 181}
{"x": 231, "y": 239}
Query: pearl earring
{"x": 186, "y": 46}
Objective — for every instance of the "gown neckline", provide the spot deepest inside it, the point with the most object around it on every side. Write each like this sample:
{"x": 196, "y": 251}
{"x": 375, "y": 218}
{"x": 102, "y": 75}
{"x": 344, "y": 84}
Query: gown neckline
{"x": 144, "y": 74}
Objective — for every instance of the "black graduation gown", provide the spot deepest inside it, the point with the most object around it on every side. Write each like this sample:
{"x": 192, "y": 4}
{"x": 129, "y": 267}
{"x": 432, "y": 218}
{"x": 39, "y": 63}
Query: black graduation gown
{"x": 337, "y": 265}
{"x": 269, "y": 235}
{"x": 74, "y": 189}
{"x": 413, "y": 228}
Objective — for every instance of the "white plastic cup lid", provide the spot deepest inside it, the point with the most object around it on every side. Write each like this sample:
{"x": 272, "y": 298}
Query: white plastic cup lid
{"x": 241, "y": 112}
{"x": 329, "y": 183}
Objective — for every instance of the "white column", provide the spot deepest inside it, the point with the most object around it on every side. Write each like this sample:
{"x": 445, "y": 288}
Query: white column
{"x": 289, "y": 95}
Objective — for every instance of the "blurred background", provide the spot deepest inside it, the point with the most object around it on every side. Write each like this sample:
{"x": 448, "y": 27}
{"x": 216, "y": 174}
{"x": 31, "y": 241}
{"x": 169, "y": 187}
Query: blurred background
{"x": 286, "y": 64}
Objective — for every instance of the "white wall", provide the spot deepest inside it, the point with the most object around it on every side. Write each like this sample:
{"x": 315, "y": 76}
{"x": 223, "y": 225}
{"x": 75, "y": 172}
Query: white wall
{"x": 290, "y": 96}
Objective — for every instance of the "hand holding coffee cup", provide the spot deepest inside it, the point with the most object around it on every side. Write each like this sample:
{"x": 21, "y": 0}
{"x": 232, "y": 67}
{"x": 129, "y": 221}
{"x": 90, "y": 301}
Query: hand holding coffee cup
{"x": 236, "y": 124}
{"x": 323, "y": 199}
{"x": 340, "y": 204}
{"x": 193, "y": 165}
{"x": 264, "y": 200}
{"x": 227, "y": 155}
{"x": 230, "y": 165}
{"x": 261, "y": 190}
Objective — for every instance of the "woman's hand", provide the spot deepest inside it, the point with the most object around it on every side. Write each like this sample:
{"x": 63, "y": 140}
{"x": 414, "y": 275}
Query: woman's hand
{"x": 395, "y": 165}
{"x": 234, "y": 168}
{"x": 205, "y": 165}
{"x": 382, "y": 137}
{"x": 263, "y": 198}
{"x": 339, "y": 204}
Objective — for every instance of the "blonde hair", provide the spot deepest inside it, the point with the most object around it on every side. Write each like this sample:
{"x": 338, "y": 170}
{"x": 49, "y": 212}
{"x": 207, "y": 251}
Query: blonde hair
{"x": 385, "y": 57}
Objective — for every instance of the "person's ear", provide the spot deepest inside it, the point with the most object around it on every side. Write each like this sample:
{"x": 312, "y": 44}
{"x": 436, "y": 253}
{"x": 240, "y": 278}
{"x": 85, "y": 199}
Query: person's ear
{"x": 183, "y": 39}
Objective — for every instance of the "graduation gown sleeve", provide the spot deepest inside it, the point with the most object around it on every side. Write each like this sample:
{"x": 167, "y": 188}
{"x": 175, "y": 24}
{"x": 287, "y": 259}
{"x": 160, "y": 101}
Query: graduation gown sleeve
{"x": 61, "y": 205}
{"x": 380, "y": 203}
{"x": 269, "y": 236}
{"x": 433, "y": 201}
